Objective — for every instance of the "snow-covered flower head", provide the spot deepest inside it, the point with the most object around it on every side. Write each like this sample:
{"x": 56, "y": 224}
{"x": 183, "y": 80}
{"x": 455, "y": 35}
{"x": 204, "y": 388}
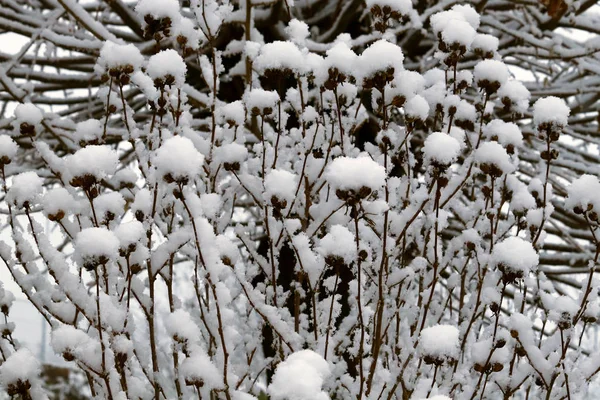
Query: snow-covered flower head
{"x": 8, "y": 149}
{"x": 25, "y": 189}
{"x": 378, "y": 63}
{"x": 158, "y": 17}
{"x": 515, "y": 258}
{"x": 439, "y": 344}
{"x": 355, "y": 177}
{"x": 95, "y": 246}
{"x": 177, "y": 160}
{"x": 551, "y": 115}
{"x": 582, "y": 195}
{"x": 118, "y": 61}
{"x": 28, "y": 119}
{"x": 441, "y": 149}
{"x": 300, "y": 377}
{"x": 490, "y": 75}
{"x": 167, "y": 68}
{"x": 90, "y": 165}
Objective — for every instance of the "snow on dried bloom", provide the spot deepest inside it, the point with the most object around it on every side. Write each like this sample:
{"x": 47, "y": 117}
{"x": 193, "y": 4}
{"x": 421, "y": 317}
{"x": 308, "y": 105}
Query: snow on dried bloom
{"x": 468, "y": 13}
{"x": 551, "y": 111}
{"x": 109, "y": 206}
{"x": 198, "y": 370}
{"x": 181, "y": 327}
{"x": 507, "y": 134}
{"x": 130, "y": 234}
{"x": 66, "y": 340}
{"x": 459, "y": 34}
{"x": 297, "y": 31}
{"x": 233, "y": 113}
{"x": 342, "y": 58}
{"x": 280, "y": 187}
{"x": 28, "y": 113}
{"x": 440, "y": 148}
{"x": 515, "y": 258}
{"x": 178, "y": 160}
{"x": 25, "y": 189}
{"x": 439, "y": 344}
{"x": 186, "y": 33}
{"x": 380, "y": 57}
{"x": 514, "y": 95}
{"x": 158, "y": 9}
{"x": 493, "y": 159}
{"x": 232, "y": 155}
{"x": 485, "y": 45}
{"x": 119, "y": 57}
{"x": 8, "y": 149}
{"x": 94, "y": 246}
{"x": 338, "y": 245}
{"x": 490, "y": 75}
{"x": 18, "y": 372}
{"x": 300, "y": 377}
{"x": 6, "y": 300}
{"x": 416, "y": 108}
{"x": 57, "y": 203}
{"x": 90, "y": 130}
{"x": 280, "y": 55}
{"x": 167, "y": 68}
{"x": 354, "y": 174}
{"x": 562, "y": 309}
{"x": 582, "y": 194}
{"x": 404, "y": 7}
{"x": 260, "y": 101}
{"x": 90, "y": 165}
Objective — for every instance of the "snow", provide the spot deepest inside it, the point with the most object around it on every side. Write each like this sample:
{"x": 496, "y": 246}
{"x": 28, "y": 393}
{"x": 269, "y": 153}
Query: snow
{"x": 466, "y": 112}
{"x": 491, "y": 71}
{"x": 117, "y": 56}
{"x": 379, "y": 57}
{"x": 417, "y": 108}
{"x": 468, "y": 13}
{"x": 515, "y": 254}
{"x": 297, "y": 31}
{"x": 233, "y": 112}
{"x": 21, "y": 365}
{"x": 261, "y": 99}
{"x": 25, "y": 189}
{"x": 339, "y": 242}
{"x": 185, "y": 28}
{"x": 281, "y": 184}
{"x": 440, "y": 342}
{"x": 146, "y": 85}
{"x": 404, "y": 7}
{"x": 181, "y": 327}
{"x": 441, "y": 148}
{"x": 459, "y": 32}
{"x": 300, "y": 377}
{"x": 280, "y": 55}
{"x": 516, "y": 93}
{"x": 28, "y": 113}
{"x": 178, "y": 158}
{"x": 112, "y": 202}
{"x": 346, "y": 173}
{"x": 104, "y": 162}
{"x": 341, "y": 57}
{"x": 8, "y": 149}
{"x": 57, "y": 200}
{"x": 231, "y": 152}
{"x": 159, "y": 9}
{"x": 167, "y": 63}
{"x": 583, "y": 192}
{"x": 507, "y": 133}
{"x": 89, "y": 130}
{"x": 492, "y": 153}
{"x": 130, "y": 233}
{"x": 551, "y": 110}
{"x": 199, "y": 369}
{"x": 96, "y": 245}
{"x": 486, "y": 43}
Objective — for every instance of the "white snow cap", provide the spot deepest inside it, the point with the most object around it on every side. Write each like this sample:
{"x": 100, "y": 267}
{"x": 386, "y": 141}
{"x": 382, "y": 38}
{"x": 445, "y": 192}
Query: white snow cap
{"x": 280, "y": 55}
{"x": 440, "y": 342}
{"x": 159, "y": 9}
{"x": 459, "y": 32}
{"x": 515, "y": 254}
{"x": 347, "y": 173}
{"x": 58, "y": 199}
{"x": 443, "y": 19}
{"x": 506, "y": 132}
{"x": 551, "y": 110}
{"x": 261, "y": 99}
{"x": 493, "y": 153}
{"x": 583, "y": 192}
{"x": 113, "y": 55}
{"x": 339, "y": 242}
{"x": 130, "y": 233}
{"x": 199, "y": 368}
{"x": 485, "y": 42}
{"x": 167, "y": 62}
{"x": 28, "y": 113}
{"x": 231, "y": 152}
{"x": 517, "y": 93}
{"x": 89, "y": 130}
{"x": 297, "y": 31}
{"x": 441, "y": 148}
{"x": 21, "y": 365}
{"x": 300, "y": 377}
{"x": 97, "y": 161}
{"x": 178, "y": 158}
{"x": 379, "y": 56}
{"x": 404, "y": 7}
{"x": 491, "y": 71}
{"x": 281, "y": 184}
{"x": 417, "y": 108}
{"x": 342, "y": 57}
{"x": 25, "y": 188}
{"x": 96, "y": 244}
{"x": 8, "y": 148}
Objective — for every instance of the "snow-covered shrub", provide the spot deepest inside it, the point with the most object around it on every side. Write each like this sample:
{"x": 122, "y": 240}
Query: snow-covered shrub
{"x": 254, "y": 203}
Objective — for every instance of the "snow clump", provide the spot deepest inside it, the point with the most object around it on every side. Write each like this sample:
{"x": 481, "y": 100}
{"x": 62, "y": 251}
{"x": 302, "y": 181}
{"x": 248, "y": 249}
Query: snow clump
{"x": 300, "y": 377}
{"x": 440, "y": 148}
{"x": 439, "y": 344}
{"x": 352, "y": 174}
{"x": 515, "y": 257}
{"x": 551, "y": 111}
{"x": 178, "y": 160}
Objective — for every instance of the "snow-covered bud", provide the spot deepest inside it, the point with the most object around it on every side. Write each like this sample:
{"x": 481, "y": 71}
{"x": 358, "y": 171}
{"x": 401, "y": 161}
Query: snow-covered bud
{"x": 378, "y": 63}
{"x": 90, "y": 165}
{"x": 19, "y": 372}
{"x": 490, "y": 75}
{"x": 167, "y": 68}
{"x": 28, "y": 119}
{"x": 177, "y": 160}
{"x": 158, "y": 17}
{"x": 550, "y": 116}
{"x": 485, "y": 46}
{"x": 354, "y": 179}
{"x": 118, "y": 62}
{"x": 8, "y": 150}
{"x": 96, "y": 246}
{"x": 515, "y": 258}
{"x": 439, "y": 344}
{"x": 441, "y": 149}
{"x": 25, "y": 189}
{"x": 261, "y": 102}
